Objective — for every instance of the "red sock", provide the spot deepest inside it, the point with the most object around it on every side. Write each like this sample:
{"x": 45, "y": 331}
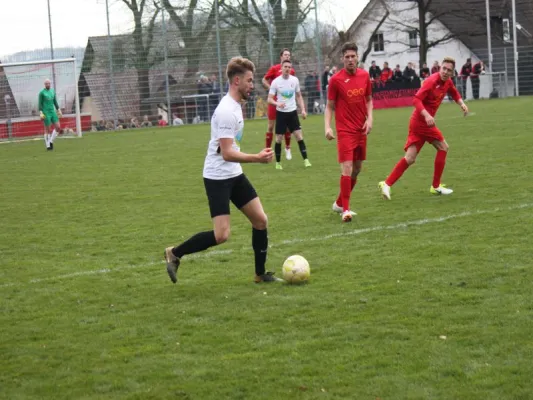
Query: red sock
{"x": 269, "y": 137}
{"x": 287, "y": 140}
{"x": 346, "y": 190}
{"x": 397, "y": 172}
{"x": 339, "y": 199}
{"x": 440, "y": 162}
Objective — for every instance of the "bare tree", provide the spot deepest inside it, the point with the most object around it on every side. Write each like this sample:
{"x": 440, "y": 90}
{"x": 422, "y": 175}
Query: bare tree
{"x": 287, "y": 16}
{"x": 370, "y": 42}
{"x": 425, "y": 15}
{"x": 193, "y": 31}
{"x": 143, "y": 36}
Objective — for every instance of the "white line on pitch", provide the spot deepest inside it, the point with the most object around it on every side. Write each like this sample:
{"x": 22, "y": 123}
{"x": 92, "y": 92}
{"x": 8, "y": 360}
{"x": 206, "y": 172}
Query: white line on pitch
{"x": 215, "y": 253}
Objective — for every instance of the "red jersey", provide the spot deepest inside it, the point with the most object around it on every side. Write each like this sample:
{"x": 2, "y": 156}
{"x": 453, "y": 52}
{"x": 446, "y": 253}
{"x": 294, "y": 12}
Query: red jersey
{"x": 349, "y": 92}
{"x": 430, "y": 95}
{"x": 275, "y": 71}
{"x": 386, "y": 74}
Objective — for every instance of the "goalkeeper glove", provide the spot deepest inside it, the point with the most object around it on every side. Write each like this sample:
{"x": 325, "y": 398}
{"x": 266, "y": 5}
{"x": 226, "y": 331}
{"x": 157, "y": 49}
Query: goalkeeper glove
{"x": 59, "y": 113}
{"x": 42, "y": 115}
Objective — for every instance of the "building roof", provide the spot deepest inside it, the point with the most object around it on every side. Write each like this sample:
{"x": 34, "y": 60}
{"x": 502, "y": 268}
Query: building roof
{"x": 470, "y": 23}
{"x": 98, "y": 86}
{"x": 466, "y": 19}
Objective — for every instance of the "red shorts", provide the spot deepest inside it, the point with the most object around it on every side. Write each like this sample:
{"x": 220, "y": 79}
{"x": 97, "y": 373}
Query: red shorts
{"x": 418, "y": 136}
{"x": 351, "y": 147}
{"x": 271, "y": 112}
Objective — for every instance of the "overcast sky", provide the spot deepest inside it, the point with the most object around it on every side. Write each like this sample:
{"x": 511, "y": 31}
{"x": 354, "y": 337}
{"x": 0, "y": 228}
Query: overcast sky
{"x": 25, "y": 22}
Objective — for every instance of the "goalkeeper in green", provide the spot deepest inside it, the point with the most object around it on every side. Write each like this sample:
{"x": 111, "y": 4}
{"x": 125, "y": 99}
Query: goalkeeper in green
{"x": 50, "y": 114}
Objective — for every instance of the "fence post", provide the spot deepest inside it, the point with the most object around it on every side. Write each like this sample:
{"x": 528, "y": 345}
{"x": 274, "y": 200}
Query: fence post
{"x": 319, "y": 56}
{"x": 167, "y": 92}
{"x": 110, "y": 51}
{"x": 217, "y": 28}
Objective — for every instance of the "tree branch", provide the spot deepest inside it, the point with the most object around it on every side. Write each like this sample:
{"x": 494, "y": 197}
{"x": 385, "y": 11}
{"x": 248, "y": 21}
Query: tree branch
{"x": 371, "y": 39}
{"x": 444, "y": 39}
{"x": 303, "y": 13}
{"x": 130, "y": 5}
{"x": 150, "y": 30}
{"x": 209, "y": 24}
{"x": 141, "y": 8}
{"x": 174, "y": 16}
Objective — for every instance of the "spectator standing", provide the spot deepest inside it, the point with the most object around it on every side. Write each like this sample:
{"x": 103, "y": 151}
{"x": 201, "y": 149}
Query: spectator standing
{"x": 425, "y": 72}
{"x": 466, "y": 69}
{"x": 386, "y": 73}
{"x": 374, "y": 71}
{"x": 477, "y": 69}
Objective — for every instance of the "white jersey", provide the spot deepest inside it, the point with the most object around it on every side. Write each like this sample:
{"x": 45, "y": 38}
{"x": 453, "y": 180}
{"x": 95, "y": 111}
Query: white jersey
{"x": 227, "y": 123}
{"x": 285, "y": 90}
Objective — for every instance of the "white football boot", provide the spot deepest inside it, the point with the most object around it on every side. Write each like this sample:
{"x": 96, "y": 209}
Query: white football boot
{"x": 288, "y": 154}
{"x": 442, "y": 189}
{"x": 385, "y": 190}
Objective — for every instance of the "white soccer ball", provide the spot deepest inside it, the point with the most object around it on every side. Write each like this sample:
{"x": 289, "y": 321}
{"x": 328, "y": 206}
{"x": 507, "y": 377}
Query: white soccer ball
{"x": 296, "y": 269}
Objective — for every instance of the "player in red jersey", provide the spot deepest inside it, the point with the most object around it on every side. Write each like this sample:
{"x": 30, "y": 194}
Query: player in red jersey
{"x": 422, "y": 127}
{"x": 350, "y": 99}
{"x": 273, "y": 72}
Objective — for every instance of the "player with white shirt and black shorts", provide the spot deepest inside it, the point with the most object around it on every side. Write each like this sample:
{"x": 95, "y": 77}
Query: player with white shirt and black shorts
{"x": 283, "y": 94}
{"x": 224, "y": 179}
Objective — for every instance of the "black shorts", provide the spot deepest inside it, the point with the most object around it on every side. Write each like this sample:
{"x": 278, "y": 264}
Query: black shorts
{"x": 219, "y": 193}
{"x": 287, "y": 121}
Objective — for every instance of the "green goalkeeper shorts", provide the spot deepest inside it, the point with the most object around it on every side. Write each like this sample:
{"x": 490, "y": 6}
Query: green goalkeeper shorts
{"x": 50, "y": 117}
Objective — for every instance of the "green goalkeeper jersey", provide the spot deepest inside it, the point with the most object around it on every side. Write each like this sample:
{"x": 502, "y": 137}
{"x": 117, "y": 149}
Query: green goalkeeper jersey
{"x": 47, "y": 101}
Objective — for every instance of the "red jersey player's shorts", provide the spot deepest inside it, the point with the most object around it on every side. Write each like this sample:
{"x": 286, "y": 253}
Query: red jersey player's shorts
{"x": 351, "y": 146}
{"x": 419, "y": 135}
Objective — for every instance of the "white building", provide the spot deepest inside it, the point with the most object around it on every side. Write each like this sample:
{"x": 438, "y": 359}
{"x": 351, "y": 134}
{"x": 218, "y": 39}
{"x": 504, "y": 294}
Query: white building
{"x": 388, "y": 31}
{"x": 397, "y": 40}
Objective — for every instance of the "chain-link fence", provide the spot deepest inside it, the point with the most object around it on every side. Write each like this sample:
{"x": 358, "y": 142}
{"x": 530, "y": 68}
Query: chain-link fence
{"x": 171, "y": 66}
{"x": 167, "y": 64}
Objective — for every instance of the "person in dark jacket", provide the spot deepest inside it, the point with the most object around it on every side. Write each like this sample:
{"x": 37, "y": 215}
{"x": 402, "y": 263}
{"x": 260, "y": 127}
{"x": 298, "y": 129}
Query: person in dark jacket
{"x": 477, "y": 69}
{"x": 466, "y": 69}
{"x": 374, "y": 71}
{"x": 409, "y": 74}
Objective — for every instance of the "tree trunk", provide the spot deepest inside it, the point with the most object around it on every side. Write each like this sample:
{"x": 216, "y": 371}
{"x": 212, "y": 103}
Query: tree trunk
{"x": 423, "y": 31}
{"x": 143, "y": 82}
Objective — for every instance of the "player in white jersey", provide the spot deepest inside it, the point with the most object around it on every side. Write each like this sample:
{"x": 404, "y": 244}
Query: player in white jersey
{"x": 283, "y": 94}
{"x": 224, "y": 180}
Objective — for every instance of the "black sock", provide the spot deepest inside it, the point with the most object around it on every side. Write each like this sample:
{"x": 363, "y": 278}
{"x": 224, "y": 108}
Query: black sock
{"x": 303, "y": 149}
{"x": 260, "y": 246}
{"x": 277, "y": 150}
{"x": 199, "y": 242}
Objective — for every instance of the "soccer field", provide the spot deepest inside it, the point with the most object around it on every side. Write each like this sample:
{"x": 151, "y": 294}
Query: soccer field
{"x": 422, "y": 297}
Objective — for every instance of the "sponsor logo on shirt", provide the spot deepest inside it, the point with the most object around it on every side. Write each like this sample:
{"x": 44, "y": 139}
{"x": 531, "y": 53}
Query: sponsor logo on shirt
{"x": 287, "y": 94}
{"x": 355, "y": 92}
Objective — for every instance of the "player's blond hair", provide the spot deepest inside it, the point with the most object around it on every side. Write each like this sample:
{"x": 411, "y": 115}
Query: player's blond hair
{"x": 450, "y": 60}
{"x": 239, "y": 66}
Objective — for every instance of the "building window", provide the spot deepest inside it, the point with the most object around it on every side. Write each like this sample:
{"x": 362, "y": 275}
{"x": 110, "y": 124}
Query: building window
{"x": 378, "y": 42}
{"x": 413, "y": 39}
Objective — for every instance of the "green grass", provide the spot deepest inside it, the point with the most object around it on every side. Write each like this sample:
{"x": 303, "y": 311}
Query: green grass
{"x": 87, "y": 310}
